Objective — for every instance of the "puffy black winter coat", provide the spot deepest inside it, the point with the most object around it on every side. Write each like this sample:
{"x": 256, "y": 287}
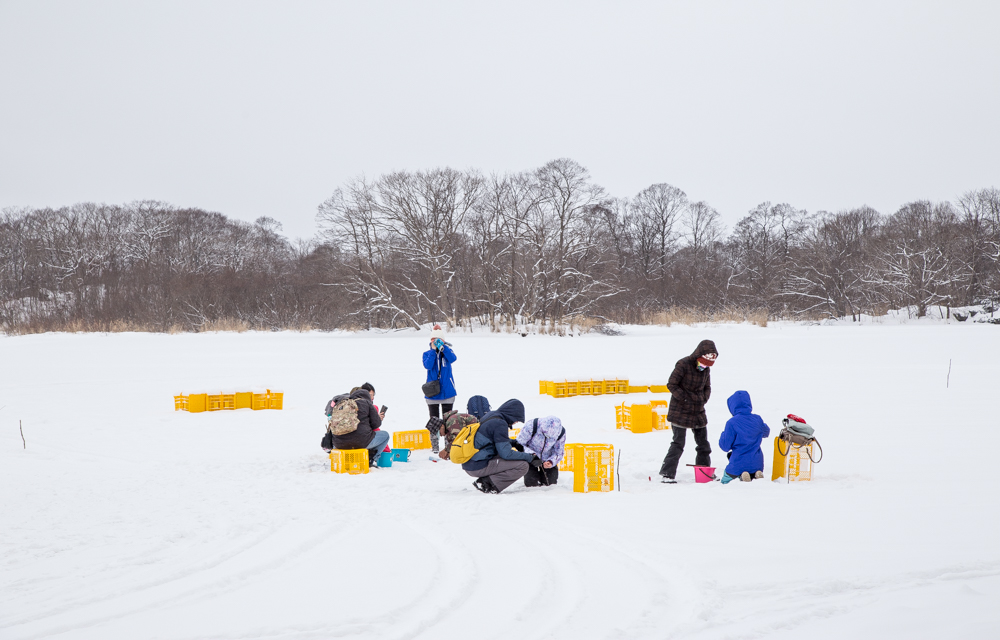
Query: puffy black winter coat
{"x": 690, "y": 389}
{"x": 368, "y": 421}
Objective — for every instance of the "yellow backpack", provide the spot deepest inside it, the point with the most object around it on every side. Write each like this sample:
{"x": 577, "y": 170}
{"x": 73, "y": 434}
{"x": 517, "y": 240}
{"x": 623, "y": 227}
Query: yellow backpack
{"x": 463, "y": 446}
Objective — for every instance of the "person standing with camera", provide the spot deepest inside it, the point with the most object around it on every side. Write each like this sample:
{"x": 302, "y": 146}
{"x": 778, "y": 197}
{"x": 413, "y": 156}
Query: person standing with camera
{"x": 439, "y": 390}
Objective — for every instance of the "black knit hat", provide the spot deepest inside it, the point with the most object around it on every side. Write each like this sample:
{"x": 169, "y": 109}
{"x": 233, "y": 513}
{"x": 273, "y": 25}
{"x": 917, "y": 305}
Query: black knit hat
{"x": 368, "y": 387}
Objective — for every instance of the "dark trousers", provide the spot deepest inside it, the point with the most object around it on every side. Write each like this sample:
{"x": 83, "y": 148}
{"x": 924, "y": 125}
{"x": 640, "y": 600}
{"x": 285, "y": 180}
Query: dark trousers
{"x": 436, "y": 409}
{"x": 541, "y": 477}
{"x": 701, "y": 446}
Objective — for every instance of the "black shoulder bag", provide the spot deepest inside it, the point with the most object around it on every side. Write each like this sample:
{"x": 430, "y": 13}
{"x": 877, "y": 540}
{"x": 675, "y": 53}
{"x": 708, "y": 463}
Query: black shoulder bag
{"x": 433, "y": 387}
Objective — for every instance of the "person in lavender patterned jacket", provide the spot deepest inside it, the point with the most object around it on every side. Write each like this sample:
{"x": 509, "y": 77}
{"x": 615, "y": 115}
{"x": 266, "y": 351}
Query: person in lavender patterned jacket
{"x": 546, "y": 438}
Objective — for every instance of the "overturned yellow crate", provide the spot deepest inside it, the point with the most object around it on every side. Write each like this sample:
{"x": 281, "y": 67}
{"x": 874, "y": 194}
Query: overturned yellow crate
{"x": 637, "y": 388}
{"x": 594, "y": 468}
{"x": 543, "y": 387}
{"x": 352, "y": 461}
{"x": 244, "y": 400}
{"x": 659, "y": 388}
{"x": 566, "y": 464}
{"x": 418, "y": 439}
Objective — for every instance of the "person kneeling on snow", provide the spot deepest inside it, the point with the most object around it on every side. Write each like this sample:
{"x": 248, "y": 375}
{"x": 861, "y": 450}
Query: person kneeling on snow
{"x": 742, "y": 437}
{"x": 454, "y": 422}
{"x": 496, "y": 464}
{"x": 546, "y": 438}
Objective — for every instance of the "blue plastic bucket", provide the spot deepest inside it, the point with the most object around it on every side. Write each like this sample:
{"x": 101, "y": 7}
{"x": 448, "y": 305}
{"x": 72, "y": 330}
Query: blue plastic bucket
{"x": 385, "y": 459}
{"x": 400, "y": 455}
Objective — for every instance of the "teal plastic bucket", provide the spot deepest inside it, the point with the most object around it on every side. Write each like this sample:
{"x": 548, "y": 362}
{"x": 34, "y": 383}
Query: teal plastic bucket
{"x": 400, "y": 455}
{"x": 385, "y": 459}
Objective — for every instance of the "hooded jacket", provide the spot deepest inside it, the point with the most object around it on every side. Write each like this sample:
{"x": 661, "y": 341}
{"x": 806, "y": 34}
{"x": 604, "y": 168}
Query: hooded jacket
{"x": 545, "y": 437}
{"x": 493, "y": 438}
{"x": 368, "y": 420}
{"x": 435, "y": 362}
{"x": 742, "y": 435}
{"x": 690, "y": 389}
{"x": 478, "y": 406}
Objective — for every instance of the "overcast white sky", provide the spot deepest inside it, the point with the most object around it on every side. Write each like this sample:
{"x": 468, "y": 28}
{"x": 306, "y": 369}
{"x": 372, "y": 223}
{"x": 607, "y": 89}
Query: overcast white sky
{"x": 265, "y": 108}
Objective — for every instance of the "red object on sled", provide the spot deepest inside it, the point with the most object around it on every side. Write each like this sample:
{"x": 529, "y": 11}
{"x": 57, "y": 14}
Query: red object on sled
{"x": 792, "y": 416}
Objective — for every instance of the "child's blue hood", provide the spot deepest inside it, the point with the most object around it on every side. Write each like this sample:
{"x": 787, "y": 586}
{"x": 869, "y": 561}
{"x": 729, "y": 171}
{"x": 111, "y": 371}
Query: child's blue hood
{"x": 739, "y": 404}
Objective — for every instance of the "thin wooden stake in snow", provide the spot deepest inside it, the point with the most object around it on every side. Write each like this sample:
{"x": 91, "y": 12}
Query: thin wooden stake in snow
{"x": 618, "y": 469}
{"x": 22, "y": 434}
{"x": 947, "y": 382}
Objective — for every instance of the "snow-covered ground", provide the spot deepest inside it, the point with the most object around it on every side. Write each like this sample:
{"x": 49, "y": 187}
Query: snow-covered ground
{"x": 124, "y": 519}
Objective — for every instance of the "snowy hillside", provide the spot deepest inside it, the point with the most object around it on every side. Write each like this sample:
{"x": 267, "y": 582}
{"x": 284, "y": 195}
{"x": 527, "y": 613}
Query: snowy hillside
{"x": 125, "y": 519}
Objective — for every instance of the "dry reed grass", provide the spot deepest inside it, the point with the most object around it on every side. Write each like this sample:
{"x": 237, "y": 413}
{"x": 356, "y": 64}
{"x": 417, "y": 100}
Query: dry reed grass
{"x": 689, "y": 316}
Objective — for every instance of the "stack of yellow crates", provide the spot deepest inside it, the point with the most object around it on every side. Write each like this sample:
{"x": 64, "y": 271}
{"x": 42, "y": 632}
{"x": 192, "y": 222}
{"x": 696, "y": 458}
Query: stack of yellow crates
{"x": 199, "y": 402}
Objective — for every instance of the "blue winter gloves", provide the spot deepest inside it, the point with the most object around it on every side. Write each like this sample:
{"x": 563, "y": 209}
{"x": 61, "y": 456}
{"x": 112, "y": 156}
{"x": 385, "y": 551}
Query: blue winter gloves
{"x": 438, "y": 344}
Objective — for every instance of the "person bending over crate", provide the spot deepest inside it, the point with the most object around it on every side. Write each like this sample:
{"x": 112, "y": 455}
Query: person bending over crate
{"x": 690, "y": 387}
{"x": 741, "y": 438}
{"x": 544, "y": 437}
{"x": 496, "y": 465}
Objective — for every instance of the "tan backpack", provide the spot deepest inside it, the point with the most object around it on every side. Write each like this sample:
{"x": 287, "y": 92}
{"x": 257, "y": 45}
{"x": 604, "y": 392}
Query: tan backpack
{"x": 343, "y": 418}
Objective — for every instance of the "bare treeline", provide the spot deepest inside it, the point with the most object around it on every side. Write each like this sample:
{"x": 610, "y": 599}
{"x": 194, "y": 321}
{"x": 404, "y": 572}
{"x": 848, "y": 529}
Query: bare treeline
{"x": 541, "y": 247}
{"x": 549, "y": 245}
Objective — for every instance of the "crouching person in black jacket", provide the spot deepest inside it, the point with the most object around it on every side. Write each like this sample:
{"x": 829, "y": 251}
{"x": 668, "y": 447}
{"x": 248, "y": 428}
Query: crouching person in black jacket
{"x": 364, "y": 436}
{"x": 497, "y": 465}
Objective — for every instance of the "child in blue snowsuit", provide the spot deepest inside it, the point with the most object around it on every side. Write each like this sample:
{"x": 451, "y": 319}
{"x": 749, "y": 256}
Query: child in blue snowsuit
{"x": 742, "y": 437}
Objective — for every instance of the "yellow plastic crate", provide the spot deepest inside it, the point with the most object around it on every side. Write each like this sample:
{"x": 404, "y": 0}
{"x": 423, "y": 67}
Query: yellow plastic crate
{"x": 512, "y": 433}
{"x": 597, "y": 387}
{"x": 275, "y": 399}
{"x": 572, "y": 388}
{"x": 228, "y": 400}
{"x": 244, "y": 400}
{"x": 659, "y": 421}
{"x": 260, "y": 401}
{"x": 637, "y": 418}
{"x": 560, "y": 389}
{"x": 543, "y": 387}
{"x": 659, "y": 388}
{"x": 796, "y": 465}
{"x": 585, "y": 387}
{"x": 569, "y": 452}
{"x": 197, "y": 402}
{"x": 419, "y": 439}
{"x": 214, "y": 402}
{"x": 352, "y": 461}
{"x": 637, "y": 388}
{"x": 621, "y": 386}
{"x": 180, "y": 402}
{"x": 594, "y": 468}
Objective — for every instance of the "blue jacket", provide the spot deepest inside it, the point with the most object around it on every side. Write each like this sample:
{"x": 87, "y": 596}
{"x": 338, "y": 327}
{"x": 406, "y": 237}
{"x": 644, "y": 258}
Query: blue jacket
{"x": 743, "y": 434}
{"x": 431, "y": 362}
{"x": 493, "y": 438}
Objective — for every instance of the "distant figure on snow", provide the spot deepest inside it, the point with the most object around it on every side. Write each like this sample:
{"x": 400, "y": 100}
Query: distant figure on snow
{"x": 690, "y": 387}
{"x": 741, "y": 438}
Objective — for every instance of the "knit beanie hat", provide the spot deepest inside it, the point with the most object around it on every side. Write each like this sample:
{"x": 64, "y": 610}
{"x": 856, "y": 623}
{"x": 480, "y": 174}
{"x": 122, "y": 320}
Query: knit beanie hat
{"x": 708, "y": 359}
{"x": 437, "y": 332}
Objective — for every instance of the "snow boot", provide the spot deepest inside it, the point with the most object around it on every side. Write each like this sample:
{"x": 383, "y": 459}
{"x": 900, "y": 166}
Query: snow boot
{"x": 668, "y": 480}
{"x": 485, "y": 485}
{"x": 745, "y": 476}
{"x": 758, "y": 475}
{"x": 726, "y": 478}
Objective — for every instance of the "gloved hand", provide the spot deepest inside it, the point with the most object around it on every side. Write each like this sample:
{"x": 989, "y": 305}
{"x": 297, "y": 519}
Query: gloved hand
{"x": 536, "y": 462}
{"x": 517, "y": 446}
{"x": 438, "y": 344}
